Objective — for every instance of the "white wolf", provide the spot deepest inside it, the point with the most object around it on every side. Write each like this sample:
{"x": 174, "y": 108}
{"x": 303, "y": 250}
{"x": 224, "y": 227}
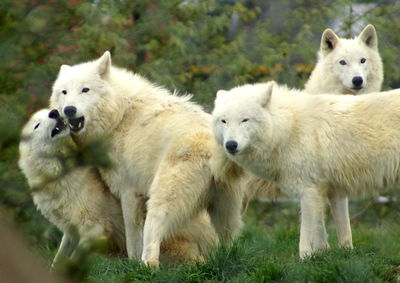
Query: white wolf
{"x": 346, "y": 66}
{"x": 80, "y": 205}
{"x": 311, "y": 145}
{"x": 77, "y": 202}
{"x": 161, "y": 147}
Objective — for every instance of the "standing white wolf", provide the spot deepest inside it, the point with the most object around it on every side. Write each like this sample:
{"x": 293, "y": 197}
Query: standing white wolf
{"x": 80, "y": 205}
{"x": 311, "y": 145}
{"x": 345, "y": 66}
{"x": 161, "y": 147}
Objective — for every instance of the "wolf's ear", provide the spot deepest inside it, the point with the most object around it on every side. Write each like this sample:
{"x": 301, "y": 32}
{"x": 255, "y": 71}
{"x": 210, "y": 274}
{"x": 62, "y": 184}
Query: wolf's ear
{"x": 64, "y": 67}
{"x": 220, "y": 94}
{"x": 104, "y": 64}
{"x": 329, "y": 41}
{"x": 266, "y": 95}
{"x": 369, "y": 37}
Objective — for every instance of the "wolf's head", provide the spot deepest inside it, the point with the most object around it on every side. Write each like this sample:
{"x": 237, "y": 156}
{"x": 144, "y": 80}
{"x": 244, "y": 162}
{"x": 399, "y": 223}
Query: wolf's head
{"x": 45, "y": 126}
{"x": 43, "y": 133}
{"x": 239, "y": 117}
{"x": 354, "y": 63}
{"x": 43, "y": 137}
{"x": 81, "y": 92}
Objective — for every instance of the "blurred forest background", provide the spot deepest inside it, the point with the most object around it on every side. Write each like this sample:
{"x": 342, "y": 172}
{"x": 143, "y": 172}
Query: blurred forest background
{"x": 193, "y": 46}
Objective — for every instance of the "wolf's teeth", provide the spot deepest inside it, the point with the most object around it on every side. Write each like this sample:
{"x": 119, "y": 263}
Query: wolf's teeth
{"x": 57, "y": 128}
{"x": 80, "y": 124}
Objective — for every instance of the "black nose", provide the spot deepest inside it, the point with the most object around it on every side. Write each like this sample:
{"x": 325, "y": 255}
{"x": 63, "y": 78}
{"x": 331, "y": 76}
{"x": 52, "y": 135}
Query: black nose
{"x": 357, "y": 81}
{"x": 53, "y": 114}
{"x": 70, "y": 111}
{"x": 231, "y": 146}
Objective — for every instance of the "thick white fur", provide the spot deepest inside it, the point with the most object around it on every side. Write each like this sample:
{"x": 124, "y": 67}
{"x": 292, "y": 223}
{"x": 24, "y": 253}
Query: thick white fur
{"x": 76, "y": 201}
{"x": 80, "y": 205}
{"x": 161, "y": 147}
{"x": 329, "y": 76}
{"x": 313, "y": 145}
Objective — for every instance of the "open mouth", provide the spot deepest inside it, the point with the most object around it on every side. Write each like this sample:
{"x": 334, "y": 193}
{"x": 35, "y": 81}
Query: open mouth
{"x": 76, "y": 124}
{"x": 59, "y": 127}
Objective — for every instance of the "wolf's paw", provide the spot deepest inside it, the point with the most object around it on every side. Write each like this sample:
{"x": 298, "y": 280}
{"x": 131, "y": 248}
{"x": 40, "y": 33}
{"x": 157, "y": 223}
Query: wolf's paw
{"x": 346, "y": 244}
{"x": 153, "y": 262}
{"x": 305, "y": 253}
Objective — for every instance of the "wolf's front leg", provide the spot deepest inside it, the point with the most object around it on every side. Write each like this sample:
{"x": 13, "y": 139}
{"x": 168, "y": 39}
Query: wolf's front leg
{"x": 68, "y": 244}
{"x": 340, "y": 212}
{"x": 133, "y": 214}
{"x": 313, "y": 235}
{"x": 225, "y": 212}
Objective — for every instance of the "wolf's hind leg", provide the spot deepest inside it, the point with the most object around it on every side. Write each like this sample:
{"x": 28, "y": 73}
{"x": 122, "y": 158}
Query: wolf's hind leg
{"x": 176, "y": 196}
{"x": 340, "y": 213}
{"x": 225, "y": 212}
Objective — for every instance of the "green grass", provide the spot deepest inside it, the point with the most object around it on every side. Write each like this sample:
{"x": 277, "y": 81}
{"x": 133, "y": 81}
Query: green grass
{"x": 267, "y": 251}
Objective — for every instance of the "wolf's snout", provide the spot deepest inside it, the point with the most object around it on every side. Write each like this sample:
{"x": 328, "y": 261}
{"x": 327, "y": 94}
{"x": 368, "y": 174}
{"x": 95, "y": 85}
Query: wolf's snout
{"x": 357, "y": 82}
{"x": 54, "y": 114}
{"x": 231, "y": 146}
{"x": 70, "y": 111}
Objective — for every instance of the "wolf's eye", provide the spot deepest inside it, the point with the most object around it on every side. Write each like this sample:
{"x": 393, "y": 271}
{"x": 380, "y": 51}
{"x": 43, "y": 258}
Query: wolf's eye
{"x": 342, "y": 62}
{"x": 245, "y": 120}
{"x": 64, "y": 92}
{"x": 85, "y": 89}
{"x": 36, "y": 126}
{"x": 223, "y": 121}
{"x": 363, "y": 60}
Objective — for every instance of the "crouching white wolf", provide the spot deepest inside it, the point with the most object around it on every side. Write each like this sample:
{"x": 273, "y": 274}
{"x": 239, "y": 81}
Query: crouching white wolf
{"x": 346, "y": 66}
{"x": 161, "y": 147}
{"x": 312, "y": 145}
{"x": 80, "y": 205}
{"x": 76, "y": 201}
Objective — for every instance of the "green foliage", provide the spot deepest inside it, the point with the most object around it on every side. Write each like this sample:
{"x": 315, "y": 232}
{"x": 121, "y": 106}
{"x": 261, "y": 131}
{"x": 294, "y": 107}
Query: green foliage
{"x": 194, "y": 46}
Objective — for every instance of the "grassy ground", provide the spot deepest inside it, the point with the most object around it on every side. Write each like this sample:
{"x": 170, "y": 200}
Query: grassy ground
{"x": 267, "y": 251}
